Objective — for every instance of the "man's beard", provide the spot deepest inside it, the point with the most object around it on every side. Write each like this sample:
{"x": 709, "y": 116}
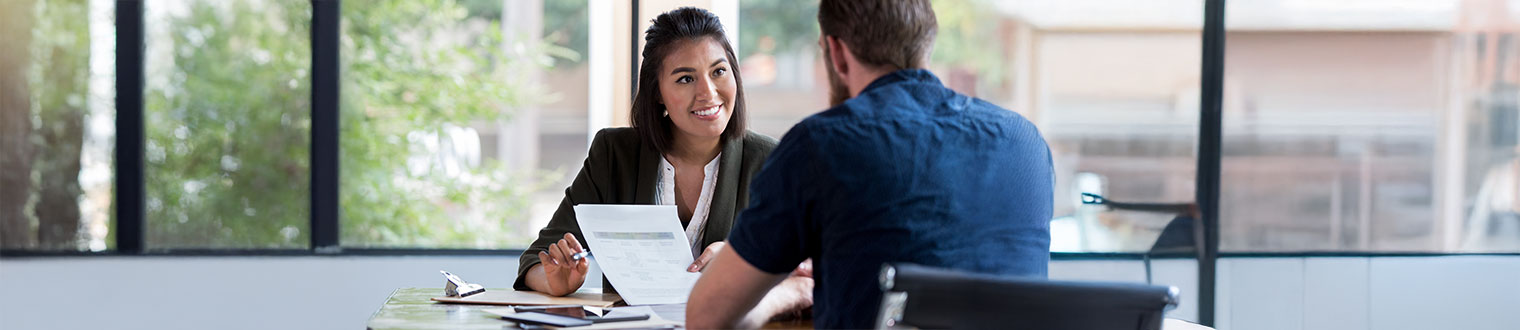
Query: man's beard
{"x": 838, "y": 92}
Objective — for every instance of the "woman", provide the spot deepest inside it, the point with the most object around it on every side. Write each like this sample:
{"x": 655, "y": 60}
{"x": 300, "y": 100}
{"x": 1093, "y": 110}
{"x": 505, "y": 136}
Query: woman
{"x": 688, "y": 147}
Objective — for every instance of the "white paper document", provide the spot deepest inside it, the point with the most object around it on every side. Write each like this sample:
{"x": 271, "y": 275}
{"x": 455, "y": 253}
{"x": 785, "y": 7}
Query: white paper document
{"x": 641, "y": 249}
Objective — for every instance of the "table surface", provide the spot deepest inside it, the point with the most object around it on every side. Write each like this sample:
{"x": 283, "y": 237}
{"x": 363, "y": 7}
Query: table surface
{"x": 412, "y": 308}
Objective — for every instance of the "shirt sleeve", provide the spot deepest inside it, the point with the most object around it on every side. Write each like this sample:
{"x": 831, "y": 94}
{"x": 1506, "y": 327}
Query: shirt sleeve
{"x": 772, "y": 234}
{"x": 586, "y": 189}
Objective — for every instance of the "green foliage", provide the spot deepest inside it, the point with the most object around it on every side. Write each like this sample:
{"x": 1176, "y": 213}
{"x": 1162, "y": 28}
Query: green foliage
{"x": 790, "y": 26}
{"x": 965, "y": 28}
{"x": 567, "y": 23}
{"x": 60, "y": 55}
{"x": 60, "y": 80}
{"x": 228, "y": 125}
{"x": 43, "y": 98}
{"x": 424, "y": 66}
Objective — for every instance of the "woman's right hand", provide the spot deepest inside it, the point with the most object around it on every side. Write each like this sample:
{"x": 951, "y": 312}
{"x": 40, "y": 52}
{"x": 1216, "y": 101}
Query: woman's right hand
{"x": 563, "y": 275}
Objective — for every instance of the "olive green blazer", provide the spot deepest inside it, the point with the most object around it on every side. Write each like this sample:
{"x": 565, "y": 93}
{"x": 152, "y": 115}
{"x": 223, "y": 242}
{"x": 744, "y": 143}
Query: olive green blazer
{"x": 621, "y": 169}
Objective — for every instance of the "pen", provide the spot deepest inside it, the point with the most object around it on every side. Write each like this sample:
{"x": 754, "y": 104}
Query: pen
{"x": 581, "y": 255}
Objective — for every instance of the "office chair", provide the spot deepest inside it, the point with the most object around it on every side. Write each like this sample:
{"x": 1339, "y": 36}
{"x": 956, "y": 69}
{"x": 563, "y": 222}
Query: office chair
{"x": 1180, "y": 236}
{"x": 932, "y": 298}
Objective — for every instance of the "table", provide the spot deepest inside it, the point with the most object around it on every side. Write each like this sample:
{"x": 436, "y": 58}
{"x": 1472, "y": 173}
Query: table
{"x": 412, "y": 308}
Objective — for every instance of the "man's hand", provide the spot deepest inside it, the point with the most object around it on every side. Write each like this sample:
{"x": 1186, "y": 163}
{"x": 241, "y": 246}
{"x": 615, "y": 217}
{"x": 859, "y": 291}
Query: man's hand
{"x": 726, "y": 295}
{"x": 804, "y": 269}
{"x": 792, "y": 295}
{"x": 563, "y": 276}
{"x": 707, "y": 256}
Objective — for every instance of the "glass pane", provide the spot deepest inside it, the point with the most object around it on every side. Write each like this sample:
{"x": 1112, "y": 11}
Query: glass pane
{"x": 462, "y": 120}
{"x": 227, "y": 111}
{"x": 1113, "y": 86}
{"x": 57, "y": 124}
{"x": 1367, "y": 127}
{"x": 779, "y": 59}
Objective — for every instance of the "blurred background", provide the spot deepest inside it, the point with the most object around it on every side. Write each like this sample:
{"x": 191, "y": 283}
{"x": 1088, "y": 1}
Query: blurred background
{"x": 1349, "y": 125}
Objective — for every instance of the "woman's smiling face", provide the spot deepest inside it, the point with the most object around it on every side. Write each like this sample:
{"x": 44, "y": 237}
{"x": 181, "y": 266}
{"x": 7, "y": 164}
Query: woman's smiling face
{"x": 697, "y": 88}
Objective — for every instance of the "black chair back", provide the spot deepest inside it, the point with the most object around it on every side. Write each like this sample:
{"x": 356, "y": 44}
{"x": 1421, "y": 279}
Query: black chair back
{"x": 933, "y": 298}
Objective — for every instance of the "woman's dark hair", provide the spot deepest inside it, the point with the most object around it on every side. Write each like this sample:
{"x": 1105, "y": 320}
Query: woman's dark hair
{"x": 682, "y": 24}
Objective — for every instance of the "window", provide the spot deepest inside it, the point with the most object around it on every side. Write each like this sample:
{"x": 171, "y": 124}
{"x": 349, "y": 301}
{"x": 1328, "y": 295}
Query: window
{"x": 1364, "y": 126}
{"x": 462, "y": 122}
{"x": 784, "y": 77}
{"x": 227, "y": 123}
{"x": 1113, "y": 87}
{"x": 1356, "y": 125}
{"x": 56, "y": 124}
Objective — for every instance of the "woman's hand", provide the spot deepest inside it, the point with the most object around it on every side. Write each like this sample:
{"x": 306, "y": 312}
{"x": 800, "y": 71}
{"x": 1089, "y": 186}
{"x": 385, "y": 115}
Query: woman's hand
{"x": 563, "y": 275}
{"x": 804, "y": 269}
{"x": 707, "y": 256}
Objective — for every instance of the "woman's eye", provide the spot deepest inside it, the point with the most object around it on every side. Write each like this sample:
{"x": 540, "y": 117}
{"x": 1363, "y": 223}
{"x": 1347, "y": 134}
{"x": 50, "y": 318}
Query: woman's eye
{"x": 719, "y": 72}
{"x": 683, "y": 80}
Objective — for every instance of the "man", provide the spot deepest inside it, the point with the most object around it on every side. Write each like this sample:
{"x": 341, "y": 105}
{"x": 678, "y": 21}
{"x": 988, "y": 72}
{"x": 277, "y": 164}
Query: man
{"x": 900, "y": 169}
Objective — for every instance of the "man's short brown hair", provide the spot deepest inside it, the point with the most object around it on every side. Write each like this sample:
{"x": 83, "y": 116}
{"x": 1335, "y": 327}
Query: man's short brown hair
{"x": 892, "y": 34}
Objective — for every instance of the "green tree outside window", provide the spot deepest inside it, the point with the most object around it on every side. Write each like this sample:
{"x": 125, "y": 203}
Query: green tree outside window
{"x": 229, "y": 129}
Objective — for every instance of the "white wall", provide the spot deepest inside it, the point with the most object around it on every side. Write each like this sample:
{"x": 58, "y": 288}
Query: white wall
{"x": 1336, "y": 293}
{"x": 318, "y": 292}
{"x": 220, "y": 292}
{"x": 1453, "y": 292}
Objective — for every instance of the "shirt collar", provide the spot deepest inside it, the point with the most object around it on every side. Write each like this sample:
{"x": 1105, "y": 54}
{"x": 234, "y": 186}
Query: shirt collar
{"x": 904, "y": 75}
{"x": 709, "y": 169}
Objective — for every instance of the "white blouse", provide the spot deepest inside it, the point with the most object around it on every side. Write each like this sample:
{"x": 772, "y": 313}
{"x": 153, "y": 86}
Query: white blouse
{"x": 666, "y": 195}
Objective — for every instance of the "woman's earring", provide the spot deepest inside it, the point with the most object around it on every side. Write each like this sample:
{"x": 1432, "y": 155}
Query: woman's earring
{"x": 665, "y": 112}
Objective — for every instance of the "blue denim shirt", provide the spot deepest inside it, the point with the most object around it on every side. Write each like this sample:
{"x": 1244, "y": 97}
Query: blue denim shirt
{"x": 907, "y": 171}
